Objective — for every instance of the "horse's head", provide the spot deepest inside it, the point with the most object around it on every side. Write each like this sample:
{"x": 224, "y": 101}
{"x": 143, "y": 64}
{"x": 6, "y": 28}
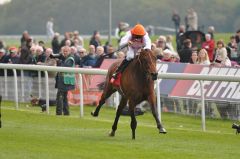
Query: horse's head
{"x": 148, "y": 63}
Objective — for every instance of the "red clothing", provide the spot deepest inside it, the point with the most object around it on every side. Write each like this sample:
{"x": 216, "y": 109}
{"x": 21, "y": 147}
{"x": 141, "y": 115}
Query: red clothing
{"x": 209, "y": 46}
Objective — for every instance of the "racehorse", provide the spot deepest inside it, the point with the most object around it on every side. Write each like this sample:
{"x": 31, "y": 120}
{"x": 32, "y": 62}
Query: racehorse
{"x": 136, "y": 85}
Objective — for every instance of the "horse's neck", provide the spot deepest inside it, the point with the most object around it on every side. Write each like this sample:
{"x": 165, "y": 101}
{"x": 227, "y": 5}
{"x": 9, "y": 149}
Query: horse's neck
{"x": 138, "y": 70}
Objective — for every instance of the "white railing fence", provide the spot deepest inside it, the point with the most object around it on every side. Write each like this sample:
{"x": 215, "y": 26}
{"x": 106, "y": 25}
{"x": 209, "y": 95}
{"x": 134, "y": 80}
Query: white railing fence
{"x": 81, "y": 71}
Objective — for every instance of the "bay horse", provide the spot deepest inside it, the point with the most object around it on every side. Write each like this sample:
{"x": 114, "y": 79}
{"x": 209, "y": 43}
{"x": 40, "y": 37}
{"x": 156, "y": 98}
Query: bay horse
{"x": 136, "y": 85}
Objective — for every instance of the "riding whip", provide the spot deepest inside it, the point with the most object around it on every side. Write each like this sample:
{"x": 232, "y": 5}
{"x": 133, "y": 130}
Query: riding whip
{"x": 119, "y": 49}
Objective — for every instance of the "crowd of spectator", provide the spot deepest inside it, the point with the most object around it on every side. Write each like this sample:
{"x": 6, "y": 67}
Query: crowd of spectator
{"x": 209, "y": 52}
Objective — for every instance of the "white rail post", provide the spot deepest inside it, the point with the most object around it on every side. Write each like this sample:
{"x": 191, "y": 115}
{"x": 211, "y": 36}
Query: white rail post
{"x": 39, "y": 84}
{"x": 5, "y": 83}
{"x": 15, "y": 87}
{"x": 81, "y": 94}
{"x": 203, "y": 106}
{"x": 22, "y": 85}
{"x": 158, "y": 100}
{"x": 47, "y": 91}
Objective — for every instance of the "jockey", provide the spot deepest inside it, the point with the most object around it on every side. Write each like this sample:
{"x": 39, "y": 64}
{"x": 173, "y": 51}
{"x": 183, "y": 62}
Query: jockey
{"x": 136, "y": 39}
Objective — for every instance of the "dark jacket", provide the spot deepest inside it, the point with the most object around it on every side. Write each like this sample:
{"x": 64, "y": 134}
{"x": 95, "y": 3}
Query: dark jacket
{"x": 56, "y": 46}
{"x": 26, "y": 56}
{"x": 185, "y": 55}
{"x": 89, "y": 60}
{"x": 68, "y": 62}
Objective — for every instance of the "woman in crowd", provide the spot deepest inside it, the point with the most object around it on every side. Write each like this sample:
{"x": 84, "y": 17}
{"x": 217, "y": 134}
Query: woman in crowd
{"x": 203, "y": 58}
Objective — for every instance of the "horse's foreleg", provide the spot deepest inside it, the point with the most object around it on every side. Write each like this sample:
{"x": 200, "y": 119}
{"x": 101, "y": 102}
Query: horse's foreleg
{"x": 106, "y": 94}
{"x": 133, "y": 119}
{"x": 155, "y": 115}
{"x": 133, "y": 122}
{"x": 122, "y": 104}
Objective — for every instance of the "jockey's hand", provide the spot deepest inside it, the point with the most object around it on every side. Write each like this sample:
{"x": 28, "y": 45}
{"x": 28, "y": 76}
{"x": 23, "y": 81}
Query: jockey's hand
{"x": 130, "y": 43}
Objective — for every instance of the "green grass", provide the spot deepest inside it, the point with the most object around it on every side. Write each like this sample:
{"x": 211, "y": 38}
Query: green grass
{"x": 28, "y": 134}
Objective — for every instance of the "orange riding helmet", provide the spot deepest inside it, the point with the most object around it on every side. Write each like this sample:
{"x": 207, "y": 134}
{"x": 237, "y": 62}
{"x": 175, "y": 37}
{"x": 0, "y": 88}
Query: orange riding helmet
{"x": 138, "y": 30}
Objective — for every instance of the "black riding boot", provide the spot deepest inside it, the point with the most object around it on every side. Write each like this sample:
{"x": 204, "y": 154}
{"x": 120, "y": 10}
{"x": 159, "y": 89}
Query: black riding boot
{"x": 121, "y": 68}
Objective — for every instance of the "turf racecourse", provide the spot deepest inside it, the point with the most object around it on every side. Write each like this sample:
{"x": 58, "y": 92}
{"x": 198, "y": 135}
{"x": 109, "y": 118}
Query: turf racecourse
{"x": 29, "y": 134}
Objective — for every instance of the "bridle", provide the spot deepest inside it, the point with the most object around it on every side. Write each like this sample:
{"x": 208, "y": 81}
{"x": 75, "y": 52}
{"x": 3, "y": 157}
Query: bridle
{"x": 151, "y": 64}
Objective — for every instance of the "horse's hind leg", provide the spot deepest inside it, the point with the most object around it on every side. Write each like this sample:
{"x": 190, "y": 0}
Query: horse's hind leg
{"x": 106, "y": 94}
{"x": 122, "y": 104}
{"x": 155, "y": 115}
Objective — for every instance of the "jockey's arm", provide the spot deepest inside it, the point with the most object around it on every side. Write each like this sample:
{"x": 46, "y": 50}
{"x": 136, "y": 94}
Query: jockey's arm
{"x": 147, "y": 41}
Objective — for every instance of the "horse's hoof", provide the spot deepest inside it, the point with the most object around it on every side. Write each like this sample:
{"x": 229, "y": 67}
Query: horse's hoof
{"x": 94, "y": 114}
{"x": 162, "y": 131}
{"x": 111, "y": 134}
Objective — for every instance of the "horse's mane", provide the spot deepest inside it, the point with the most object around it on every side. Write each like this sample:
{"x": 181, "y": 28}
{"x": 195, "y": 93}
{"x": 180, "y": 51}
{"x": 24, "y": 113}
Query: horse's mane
{"x": 146, "y": 60}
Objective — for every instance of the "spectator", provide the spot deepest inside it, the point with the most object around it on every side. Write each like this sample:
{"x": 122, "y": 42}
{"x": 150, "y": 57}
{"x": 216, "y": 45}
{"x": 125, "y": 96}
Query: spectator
{"x": 153, "y": 46}
{"x": 49, "y": 28}
{"x": 222, "y": 59}
{"x": 25, "y": 37}
{"x": 40, "y": 55}
{"x": 192, "y": 20}
{"x": 169, "y": 42}
{"x": 238, "y": 45}
{"x": 2, "y": 45}
{"x": 209, "y": 46}
{"x": 194, "y": 57}
{"x": 179, "y": 34}
{"x": 79, "y": 40}
{"x": 56, "y": 44}
{"x": 42, "y": 44}
{"x": 203, "y": 58}
{"x": 176, "y": 19}
{"x": 159, "y": 53}
{"x": 211, "y": 31}
{"x": 3, "y": 56}
{"x": 99, "y": 51}
{"x": 220, "y": 45}
{"x": 167, "y": 55}
{"x": 3, "y": 59}
{"x": 111, "y": 54}
{"x": 120, "y": 55}
{"x": 49, "y": 61}
{"x": 161, "y": 42}
{"x": 232, "y": 45}
{"x": 95, "y": 39}
{"x": 174, "y": 57}
{"x": 14, "y": 58}
{"x": 82, "y": 52}
{"x": 77, "y": 44}
{"x": 67, "y": 36}
{"x": 186, "y": 53}
{"x": 100, "y": 55}
{"x": 68, "y": 43}
{"x": 90, "y": 59}
{"x": 64, "y": 83}
{"x": 76, "y": 56}
{"x": 26, "y": 56}
{"x": 122, "y": 30}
